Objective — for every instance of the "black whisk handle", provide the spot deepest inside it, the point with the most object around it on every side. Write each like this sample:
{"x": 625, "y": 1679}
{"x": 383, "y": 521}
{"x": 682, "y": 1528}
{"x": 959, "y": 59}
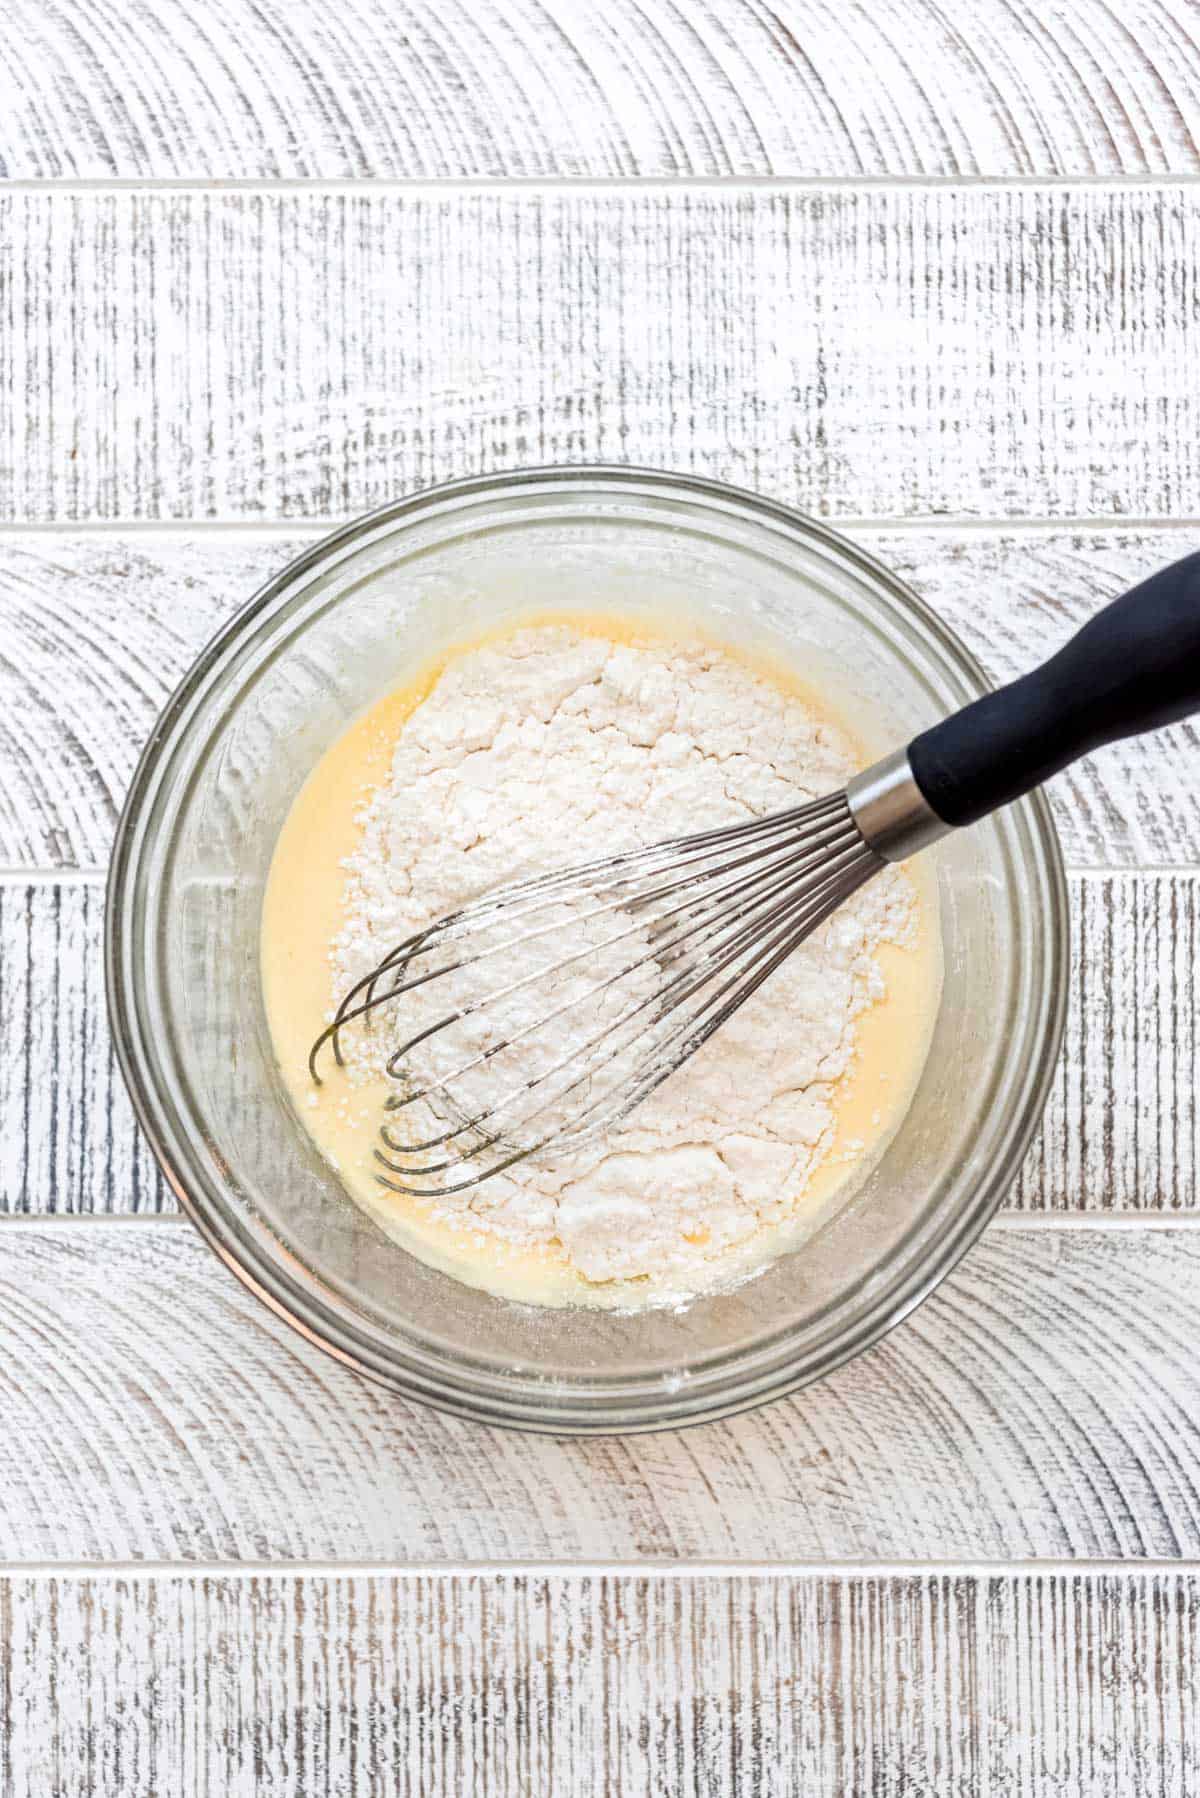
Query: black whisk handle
{"x": 1132, "y": 668}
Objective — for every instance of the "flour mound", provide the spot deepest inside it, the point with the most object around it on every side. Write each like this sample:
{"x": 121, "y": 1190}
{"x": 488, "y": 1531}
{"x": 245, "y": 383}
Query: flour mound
{"x": 552, "y": 747}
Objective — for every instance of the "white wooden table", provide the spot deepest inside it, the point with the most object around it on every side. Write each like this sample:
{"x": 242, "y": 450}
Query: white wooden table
{"x": 931, "y": 271}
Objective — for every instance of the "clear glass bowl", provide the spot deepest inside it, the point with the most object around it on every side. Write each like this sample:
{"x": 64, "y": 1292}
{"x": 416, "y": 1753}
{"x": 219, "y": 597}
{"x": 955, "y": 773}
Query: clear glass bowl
{"x": 321, "y": 642}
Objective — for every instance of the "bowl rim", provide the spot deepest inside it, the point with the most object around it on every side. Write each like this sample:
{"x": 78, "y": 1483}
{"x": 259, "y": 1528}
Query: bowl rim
{"x": 316, "y": 1319}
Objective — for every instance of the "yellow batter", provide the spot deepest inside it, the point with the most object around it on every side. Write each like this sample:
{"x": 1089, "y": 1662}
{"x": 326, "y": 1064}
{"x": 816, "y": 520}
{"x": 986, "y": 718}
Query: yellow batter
{"x": 302, "y": 913}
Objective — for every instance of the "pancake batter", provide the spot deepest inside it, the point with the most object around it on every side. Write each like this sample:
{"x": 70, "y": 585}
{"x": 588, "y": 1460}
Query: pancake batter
{"x": 563, "y": 740}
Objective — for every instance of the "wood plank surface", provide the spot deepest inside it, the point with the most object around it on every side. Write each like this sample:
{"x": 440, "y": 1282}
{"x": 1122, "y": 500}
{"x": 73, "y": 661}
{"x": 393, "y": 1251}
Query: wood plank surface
{"x": 260, "y": 355}
{"x": 68, "y": 1140}
{"x": 1121, "y": 1131}
{"x": 1045, "y": 1402}
{"x": 97, "y": 628}
{"x": 1120, "y": 1134}
{"x": 907, "y": 325}
{"x": 395, "y": 88}
{"x": 1013, "y": 1686}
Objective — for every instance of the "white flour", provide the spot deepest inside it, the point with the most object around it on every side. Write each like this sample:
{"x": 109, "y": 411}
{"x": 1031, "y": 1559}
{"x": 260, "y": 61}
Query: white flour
{"x": 552, "y": 747}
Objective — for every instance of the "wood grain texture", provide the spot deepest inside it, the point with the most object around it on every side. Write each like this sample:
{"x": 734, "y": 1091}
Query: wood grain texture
{"x": 95, "y": 633}
{"x": 1121, "y": 1131}
{"x": 394, "y": 88}
{"x": 1014, "y": 1687}
{"x": 290, "y": 354}
{"x": 96, "y": 630}
{"x": 68, "y": 1141}
{"x": 1045, "y": 1402}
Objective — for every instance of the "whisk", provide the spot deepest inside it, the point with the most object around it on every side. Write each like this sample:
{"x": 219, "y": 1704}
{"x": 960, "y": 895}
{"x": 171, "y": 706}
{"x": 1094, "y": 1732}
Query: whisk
{"x": 538, "y": 1016}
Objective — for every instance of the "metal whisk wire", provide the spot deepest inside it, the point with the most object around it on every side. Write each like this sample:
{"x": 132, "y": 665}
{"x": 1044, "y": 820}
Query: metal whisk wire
{"x": 733, "y": 903}
{"x": 701, "y": 922}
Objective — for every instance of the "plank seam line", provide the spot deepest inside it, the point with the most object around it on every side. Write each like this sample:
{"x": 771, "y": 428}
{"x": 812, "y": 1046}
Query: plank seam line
{"x": 17, "y": 876}
{"x": 436, "y": 185}
{"x": 107, "y": 1220}
{"x": 1113, "y": 870}
{"x": 913, "y": 524}
{"x": 1008, "y": 1218}
{"x": 11, "y": 1571}
{"x": 59, "y": 877}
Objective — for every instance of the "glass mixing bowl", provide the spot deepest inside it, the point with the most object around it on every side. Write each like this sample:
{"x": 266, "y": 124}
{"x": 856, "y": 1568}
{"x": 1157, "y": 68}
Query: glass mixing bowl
{"x": 320, "y": 643}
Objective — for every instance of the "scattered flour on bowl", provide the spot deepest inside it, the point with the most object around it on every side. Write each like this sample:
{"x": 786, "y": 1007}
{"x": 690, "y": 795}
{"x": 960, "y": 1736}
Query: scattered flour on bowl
{"x": 550, "y": 747}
